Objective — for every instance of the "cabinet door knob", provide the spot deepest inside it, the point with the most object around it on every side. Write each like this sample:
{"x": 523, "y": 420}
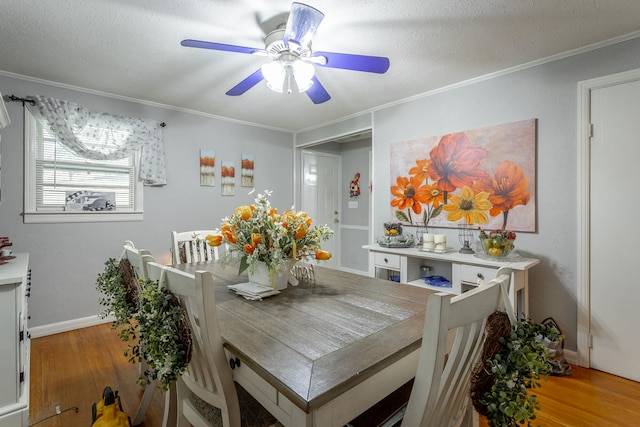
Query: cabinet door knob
{"x": 386, "y": 260}
{"x": 233, "y": 363}
{"x": 480, "y": 276}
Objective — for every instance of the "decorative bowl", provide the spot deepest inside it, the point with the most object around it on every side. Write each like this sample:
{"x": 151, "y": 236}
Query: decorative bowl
{"x": 497, "y": 244}
{"x": 400, "y": 241}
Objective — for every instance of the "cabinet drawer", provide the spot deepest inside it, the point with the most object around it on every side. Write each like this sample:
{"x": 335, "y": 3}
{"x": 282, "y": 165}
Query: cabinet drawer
{"x": 387, "y": 260}
{"x": 472, "y": 273}
{"x": 251, "y": 381}
{"x": 273, "y": 401}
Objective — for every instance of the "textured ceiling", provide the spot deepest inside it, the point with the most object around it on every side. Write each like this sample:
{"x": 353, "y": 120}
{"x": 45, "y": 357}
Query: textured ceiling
{"x": 132, "y": 48}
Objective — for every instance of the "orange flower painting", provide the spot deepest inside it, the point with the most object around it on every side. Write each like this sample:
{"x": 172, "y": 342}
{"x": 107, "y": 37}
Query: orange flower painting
{"x": 483, "y": 176}
{"x": 246, "y": 177}
{"x": 228, "y": 178}
{"x": 207, "y": 168}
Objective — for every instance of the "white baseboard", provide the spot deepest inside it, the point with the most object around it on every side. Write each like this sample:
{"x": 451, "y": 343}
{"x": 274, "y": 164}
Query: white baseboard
{"x": 68, "y": 325}
{"x": 572, "y": 357}
{"x": 354, "y": 271}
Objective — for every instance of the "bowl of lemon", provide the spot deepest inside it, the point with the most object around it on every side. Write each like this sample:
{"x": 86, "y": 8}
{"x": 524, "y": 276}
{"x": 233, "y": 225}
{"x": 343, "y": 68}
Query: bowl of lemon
{"x": 497, "y": 243}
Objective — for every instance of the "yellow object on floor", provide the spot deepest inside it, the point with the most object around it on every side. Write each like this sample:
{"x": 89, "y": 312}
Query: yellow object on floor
{"x": 108, "y": 411}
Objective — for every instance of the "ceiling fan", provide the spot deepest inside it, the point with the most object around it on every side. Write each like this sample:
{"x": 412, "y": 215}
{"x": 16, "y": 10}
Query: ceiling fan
{"x": 292, "y": 60}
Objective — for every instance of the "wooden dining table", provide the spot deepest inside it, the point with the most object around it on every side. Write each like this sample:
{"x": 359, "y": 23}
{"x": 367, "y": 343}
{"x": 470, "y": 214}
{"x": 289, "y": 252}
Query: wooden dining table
{"x": 322, "y": 352}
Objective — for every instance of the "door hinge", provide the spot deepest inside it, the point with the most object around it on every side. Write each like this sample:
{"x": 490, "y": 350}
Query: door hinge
{"x": 590, "y": 130}
{"x": 22, "y": 376}
{"x": 21, "y": 335}
{"x": 590, "y": 341}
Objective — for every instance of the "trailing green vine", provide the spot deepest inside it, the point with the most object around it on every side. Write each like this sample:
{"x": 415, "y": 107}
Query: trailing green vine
{"x": 165, "y": 335}
{"x": 516, "y": 368}
{"x": 142, "y": 310}
{"x": 116, "y": 298}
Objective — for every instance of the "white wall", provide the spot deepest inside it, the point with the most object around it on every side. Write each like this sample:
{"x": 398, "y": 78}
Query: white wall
{"x": 66, "y": 258}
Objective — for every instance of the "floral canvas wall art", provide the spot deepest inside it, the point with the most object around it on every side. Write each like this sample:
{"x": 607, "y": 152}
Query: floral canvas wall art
{"x": 483, "y": 177}
{"x": 207, "y": 168}
{"x": 246, "y": 177}
{"x": 228, "y": 178}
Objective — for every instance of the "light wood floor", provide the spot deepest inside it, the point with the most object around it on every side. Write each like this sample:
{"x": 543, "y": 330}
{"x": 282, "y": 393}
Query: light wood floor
{"x": 71, "y": 369}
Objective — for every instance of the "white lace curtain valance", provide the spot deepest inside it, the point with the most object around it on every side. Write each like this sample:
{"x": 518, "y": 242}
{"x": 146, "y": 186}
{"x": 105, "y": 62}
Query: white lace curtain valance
{"x": 72, "y": 124}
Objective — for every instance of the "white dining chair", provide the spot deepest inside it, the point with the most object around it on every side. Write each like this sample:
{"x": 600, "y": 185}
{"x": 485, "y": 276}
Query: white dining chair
{"x": 191, "y": 246}
{"x": 208, "y": 376}
{"x": 440, "y": 394}
{"x": 139, "y": 259}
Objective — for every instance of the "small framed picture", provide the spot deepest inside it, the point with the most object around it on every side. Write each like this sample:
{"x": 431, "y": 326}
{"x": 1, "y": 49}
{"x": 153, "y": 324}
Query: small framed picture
{"x": 207, "y": 168}
{"x": 228, "y": 175}
{"x": 246, "y": 179}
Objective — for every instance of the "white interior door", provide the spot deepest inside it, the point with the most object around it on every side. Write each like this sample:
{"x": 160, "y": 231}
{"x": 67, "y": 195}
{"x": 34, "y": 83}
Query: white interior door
{"x": 320, "y": 197}
{"x": 615, "y": 175}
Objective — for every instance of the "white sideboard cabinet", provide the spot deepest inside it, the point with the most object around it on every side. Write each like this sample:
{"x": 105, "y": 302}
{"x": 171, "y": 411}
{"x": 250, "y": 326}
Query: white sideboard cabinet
{"x": 14, "y": 342}
{"x": 408, "y": 265}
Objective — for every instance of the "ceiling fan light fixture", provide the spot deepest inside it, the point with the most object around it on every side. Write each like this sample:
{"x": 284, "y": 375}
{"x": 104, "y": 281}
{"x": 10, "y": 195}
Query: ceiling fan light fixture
{"x": 274, "y": 73}
{"x": 303, "y": 73}
{"x": 279, "y": 73}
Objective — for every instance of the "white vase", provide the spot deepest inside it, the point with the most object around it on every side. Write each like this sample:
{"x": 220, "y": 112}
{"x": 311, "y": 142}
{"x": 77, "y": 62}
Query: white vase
{"x": 262, "y": 276}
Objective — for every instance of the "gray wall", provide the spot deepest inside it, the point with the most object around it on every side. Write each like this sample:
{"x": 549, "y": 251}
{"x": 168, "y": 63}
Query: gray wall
{"x": 355, "y": 158}
{"x": 66, "y": 258}
{"x": 548, "y": 93}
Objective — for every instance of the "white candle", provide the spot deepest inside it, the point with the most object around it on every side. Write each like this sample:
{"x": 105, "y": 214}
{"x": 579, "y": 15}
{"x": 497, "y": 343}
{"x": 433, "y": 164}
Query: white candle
{"x": 428, "y": 246}
{"x": 427, "y": 237}
{"x": 440, "y": 238}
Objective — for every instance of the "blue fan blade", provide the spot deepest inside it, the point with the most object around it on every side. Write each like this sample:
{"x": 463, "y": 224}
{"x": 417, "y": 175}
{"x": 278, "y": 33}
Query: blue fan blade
{"x": 219, "y": 46}
{"x": 246, "y": 84}
{"x": 317, "y": 93}
{"x": 302, "y": 24}
{"x": 346, "y": 61}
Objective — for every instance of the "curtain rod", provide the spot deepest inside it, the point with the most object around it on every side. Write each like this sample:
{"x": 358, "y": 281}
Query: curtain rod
{"x": 32, "y": 102}
{"x": 15, "y": 98}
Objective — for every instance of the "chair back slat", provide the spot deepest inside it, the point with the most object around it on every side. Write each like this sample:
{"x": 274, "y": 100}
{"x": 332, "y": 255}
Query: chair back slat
{"x": 191, "y": 246}
{"x": 440, "y": 394}
{"x": 208, "y": 376}
{"x": 138, "y": 258}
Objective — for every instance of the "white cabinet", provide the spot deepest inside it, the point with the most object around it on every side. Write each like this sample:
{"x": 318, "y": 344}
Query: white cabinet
{"x": 14, "y": 342}
{"x": 462, "y": 270}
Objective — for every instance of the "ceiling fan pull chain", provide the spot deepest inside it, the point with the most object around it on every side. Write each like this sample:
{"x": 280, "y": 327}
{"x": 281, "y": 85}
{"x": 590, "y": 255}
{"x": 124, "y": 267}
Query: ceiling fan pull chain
{"x": 288, "y": 68}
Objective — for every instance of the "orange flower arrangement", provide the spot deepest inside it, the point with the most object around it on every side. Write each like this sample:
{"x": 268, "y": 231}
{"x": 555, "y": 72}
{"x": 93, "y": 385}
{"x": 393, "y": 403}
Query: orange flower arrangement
{"x": 259, "y": 233}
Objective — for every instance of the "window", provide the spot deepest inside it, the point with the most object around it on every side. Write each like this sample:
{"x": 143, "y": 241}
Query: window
{"x": 61, "y": 186}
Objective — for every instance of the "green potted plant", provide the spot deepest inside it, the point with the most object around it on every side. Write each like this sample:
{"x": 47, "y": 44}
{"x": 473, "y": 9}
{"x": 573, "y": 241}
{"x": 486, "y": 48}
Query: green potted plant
{"x": 517, "y": 363}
